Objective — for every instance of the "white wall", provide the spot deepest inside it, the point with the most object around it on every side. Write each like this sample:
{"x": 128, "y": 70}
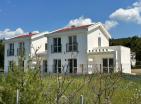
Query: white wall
{"x": 38, "y": 41}
{"x": 121, "y": 57}
{"x": 97, "y": 60}
{"x": 81, "y": 55}
{"x": 15, "y": 57}
{"x": 126, "y": 59}
{"x": 93, "y": 39}
{"x": 35, "y": 41}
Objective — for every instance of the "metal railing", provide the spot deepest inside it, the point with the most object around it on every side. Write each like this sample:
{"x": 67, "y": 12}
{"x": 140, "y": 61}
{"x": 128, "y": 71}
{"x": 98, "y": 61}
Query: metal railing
{"x": 56, "y": 48}
{"x": 20, "y": 51}
{"x": 71, "y": 47}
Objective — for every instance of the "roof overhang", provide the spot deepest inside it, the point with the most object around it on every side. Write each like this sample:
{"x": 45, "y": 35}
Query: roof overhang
{"x": 102, "y": 29}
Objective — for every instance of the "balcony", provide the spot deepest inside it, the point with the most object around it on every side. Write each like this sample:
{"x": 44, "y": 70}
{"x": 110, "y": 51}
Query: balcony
{"x": 20, "y": 51}
{"x": 56, "y": 48}
{"x": 10, "y": 52}
{"x": 72, "y": 47}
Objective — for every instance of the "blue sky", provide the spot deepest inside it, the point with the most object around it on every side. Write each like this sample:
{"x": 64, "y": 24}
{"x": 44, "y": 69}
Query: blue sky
{"x": 121, "y": 17}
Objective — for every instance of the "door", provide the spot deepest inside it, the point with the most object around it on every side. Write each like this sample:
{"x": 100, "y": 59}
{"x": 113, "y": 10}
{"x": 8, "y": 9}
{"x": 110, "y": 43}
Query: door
{"x": 105, "y": 65}
{"x": 111, "y": 65}
{"x": 57, "y": 66}
{"x": 45, "y": 65}
{"x": 108, "y": 65}
{"x": 72, "y": 63}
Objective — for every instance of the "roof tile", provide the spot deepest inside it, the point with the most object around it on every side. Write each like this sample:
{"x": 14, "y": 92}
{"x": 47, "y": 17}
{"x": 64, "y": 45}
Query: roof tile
{"x": 72, "y": 28}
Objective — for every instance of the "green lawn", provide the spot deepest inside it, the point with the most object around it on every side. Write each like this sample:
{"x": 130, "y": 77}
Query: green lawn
{"x": 67, "y": 89}
{"x": 125, "y": 91}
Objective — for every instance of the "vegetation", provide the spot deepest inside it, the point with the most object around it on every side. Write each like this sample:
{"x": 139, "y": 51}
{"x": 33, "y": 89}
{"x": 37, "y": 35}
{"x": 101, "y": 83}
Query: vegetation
{"x": 99, "y": 88}
{"x": 67, "y": 89}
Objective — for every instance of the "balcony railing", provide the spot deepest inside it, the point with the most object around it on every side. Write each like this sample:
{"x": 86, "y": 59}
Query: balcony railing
{"x": 72, "y": 47}
{"x": 20, "y": 51}
{"x": 10, "y": 52}
{"x": 56, "y": 48}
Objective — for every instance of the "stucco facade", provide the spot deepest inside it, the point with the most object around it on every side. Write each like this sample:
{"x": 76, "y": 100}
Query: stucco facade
{"x": 77, "y": 49}
{"x": 90, "y": 38}
{"x": 30, "y": 43}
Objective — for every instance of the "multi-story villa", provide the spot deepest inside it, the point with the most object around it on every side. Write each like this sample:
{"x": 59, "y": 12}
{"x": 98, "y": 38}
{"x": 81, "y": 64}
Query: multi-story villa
{"x": 85, "y": 49}
{"x": 75, "y": 49}
{"x": 26, "y": 46}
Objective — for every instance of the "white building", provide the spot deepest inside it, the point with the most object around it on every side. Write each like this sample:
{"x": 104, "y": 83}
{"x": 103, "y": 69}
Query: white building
{"x": 81, "y": 49}
{"x": 85, "y": 49}
{"x": 26, "y": 45}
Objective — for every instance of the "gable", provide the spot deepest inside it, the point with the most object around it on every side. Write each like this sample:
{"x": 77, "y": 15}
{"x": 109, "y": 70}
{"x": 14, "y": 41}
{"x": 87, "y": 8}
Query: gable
{"x": 100, "y": 27}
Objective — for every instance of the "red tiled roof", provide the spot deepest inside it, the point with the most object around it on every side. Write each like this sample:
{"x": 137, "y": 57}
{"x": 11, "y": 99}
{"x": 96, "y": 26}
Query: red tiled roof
{"x": 72, "y": 28}
{"x": 22, "y": 36}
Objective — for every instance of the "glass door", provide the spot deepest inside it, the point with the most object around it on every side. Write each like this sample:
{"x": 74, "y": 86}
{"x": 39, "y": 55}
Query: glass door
{"x": 108, "y": 65}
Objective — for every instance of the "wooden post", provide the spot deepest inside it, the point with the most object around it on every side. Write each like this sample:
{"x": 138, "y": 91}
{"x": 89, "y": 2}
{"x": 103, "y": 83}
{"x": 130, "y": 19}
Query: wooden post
{"x": 121, "y": 69}
{"x": 100, "y": 69}
{"x": 17, "y": 98}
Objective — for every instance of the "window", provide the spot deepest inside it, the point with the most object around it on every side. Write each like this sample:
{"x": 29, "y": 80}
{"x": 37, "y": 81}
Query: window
{"x": 57, "y": 66}
{"x": 21, "y": 44}
{"x": 105, "y": 65}
{"x": 45, "y": 65}
{"x": 72, "y": 45}
{"x": 72, "y": 65}
{"x": 108, "y": 65}
{"x": 46, "y": 46}
{"x": 56, "y": 47}
{"x": 11, "y": 65}
{"x": 10, "y": 51}
{"x": 21, "y": 49}
{"x": 99, "y": 41}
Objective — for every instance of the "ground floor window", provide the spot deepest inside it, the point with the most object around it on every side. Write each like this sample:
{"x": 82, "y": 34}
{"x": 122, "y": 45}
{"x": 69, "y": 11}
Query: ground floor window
{"x": 57, "y": 65}
{"x": 108, "y": 65}
{"x": 21, "y": 64}
{"x": 11, "y": 65}
{"x": 72, "y": 65}
{"x": 45, "y": 65}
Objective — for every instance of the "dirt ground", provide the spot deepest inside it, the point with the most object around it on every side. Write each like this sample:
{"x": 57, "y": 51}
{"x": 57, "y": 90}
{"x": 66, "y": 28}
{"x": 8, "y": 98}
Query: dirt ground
{"x": 136, "y": 71}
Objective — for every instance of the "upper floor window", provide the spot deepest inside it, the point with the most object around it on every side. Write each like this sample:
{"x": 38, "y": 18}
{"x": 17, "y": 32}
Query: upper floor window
{"x": 10, "y": 50}
{"x": 46, "y": 46}
{"x": 21, "y": 44}
{"x": 21, "y": 49}
{"x": 72, "y": 45}
{"x": 56, "y": 47}
{"x": 99, "y": 41}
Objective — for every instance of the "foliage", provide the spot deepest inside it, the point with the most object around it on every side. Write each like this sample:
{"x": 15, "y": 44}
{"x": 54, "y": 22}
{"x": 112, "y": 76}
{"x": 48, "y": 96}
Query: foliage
{"x": 96, "y": 89}
{"x": 29, "y": 84}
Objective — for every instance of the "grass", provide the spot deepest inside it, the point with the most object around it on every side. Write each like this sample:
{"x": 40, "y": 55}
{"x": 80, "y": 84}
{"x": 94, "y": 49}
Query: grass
{"x": 125, "y": 88}
{"x": 34, "y": 89}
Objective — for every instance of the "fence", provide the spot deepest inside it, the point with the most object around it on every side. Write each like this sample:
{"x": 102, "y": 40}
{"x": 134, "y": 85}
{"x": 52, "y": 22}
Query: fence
{"x": 137, "y": 65}
{"x": 88, "y": 69}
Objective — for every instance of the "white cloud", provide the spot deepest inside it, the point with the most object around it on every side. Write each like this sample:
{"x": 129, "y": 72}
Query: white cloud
{"x": 109, "y": 24}
{"x": 35, "y": 32}
{"x": 7, "y": 33}
{"x": 130, "y": 14}
{"x": 80, "y": 21}
{"x": 137, "y": 4}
